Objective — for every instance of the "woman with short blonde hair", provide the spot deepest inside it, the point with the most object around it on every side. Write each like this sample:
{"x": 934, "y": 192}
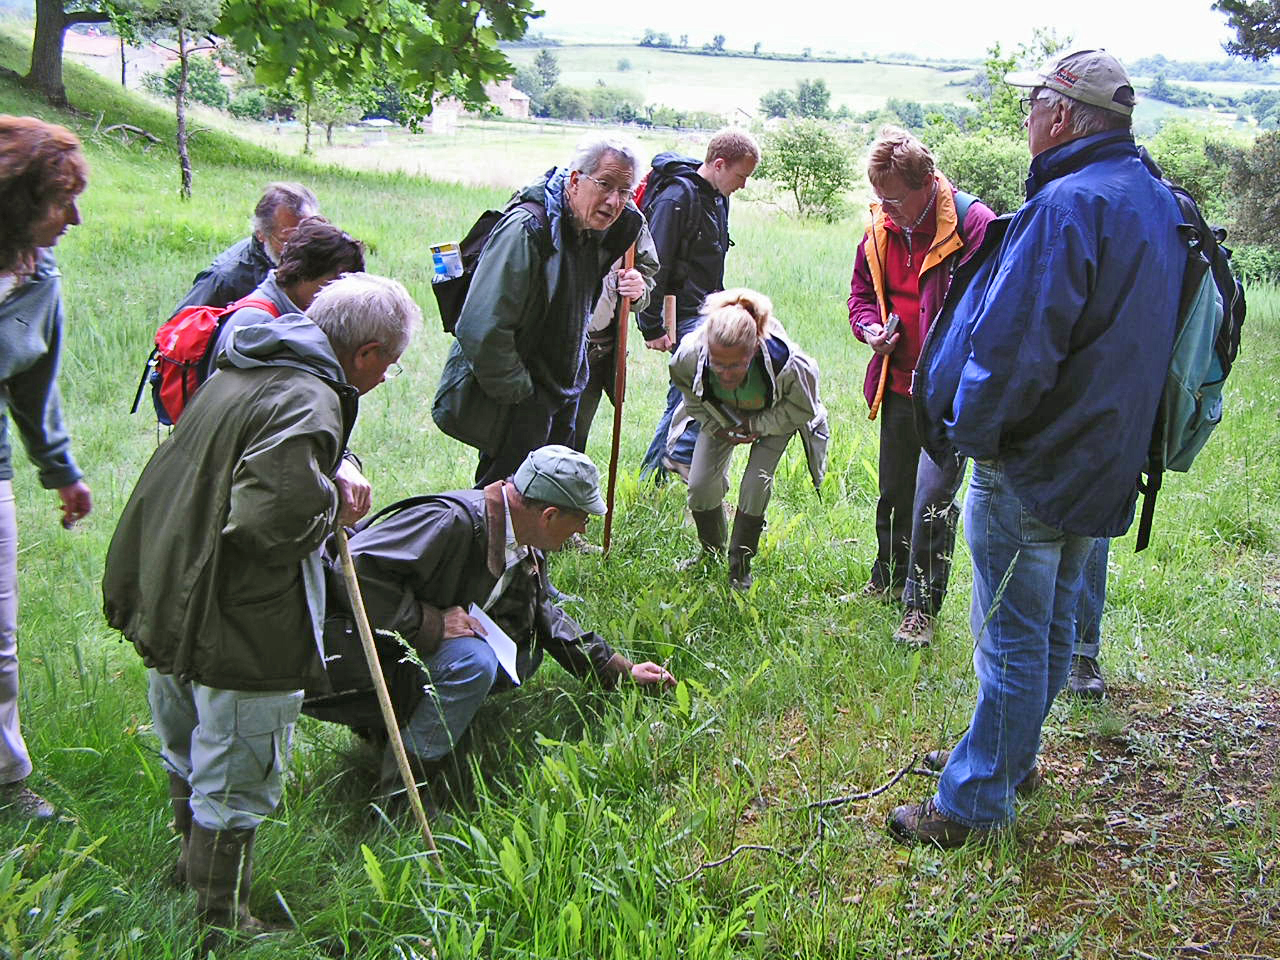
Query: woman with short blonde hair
{"x": 745, "y": 383}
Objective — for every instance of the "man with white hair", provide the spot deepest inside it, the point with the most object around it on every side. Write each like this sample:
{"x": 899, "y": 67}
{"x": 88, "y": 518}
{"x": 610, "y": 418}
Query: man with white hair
{"x": 236, "y": 271}
{"x": 1047, "y": 375}
{"x": 514, "y": 374}
{"x": 214, "y": 571}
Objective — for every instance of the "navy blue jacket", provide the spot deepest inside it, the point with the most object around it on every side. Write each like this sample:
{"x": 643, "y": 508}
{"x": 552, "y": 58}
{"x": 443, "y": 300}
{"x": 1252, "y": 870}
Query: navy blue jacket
{"x": 1057, "y": 360}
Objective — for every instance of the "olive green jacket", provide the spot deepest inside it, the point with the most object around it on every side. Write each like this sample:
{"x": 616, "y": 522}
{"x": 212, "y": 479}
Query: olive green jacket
{"x": 214, "y": 571}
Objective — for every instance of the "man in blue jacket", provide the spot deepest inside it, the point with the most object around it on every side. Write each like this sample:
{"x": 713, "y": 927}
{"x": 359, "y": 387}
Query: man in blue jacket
{"x": 1061, "y": 362}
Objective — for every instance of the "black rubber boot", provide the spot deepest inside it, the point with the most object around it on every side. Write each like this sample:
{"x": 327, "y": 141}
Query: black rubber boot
{"x": 712, "y": 529}
{"x": 180, "y": 797}
{"x": 220, "y": 870}
{"x": 743, "y": 545}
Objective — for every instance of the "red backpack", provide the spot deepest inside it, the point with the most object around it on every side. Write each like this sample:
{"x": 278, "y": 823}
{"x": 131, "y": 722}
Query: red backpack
{"x": 180, "y": 361}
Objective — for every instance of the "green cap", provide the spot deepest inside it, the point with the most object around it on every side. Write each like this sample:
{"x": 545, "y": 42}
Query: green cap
{"x": 1094, "y": 77}
{"x": 561, "y": 477}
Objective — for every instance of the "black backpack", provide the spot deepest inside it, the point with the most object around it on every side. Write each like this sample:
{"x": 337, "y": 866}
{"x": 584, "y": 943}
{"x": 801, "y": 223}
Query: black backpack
{"x": 451, "y": 292}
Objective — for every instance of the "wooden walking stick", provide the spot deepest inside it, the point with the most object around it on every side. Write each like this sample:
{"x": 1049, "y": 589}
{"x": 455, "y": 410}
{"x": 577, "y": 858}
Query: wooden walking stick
{"x": 384, "y": 696}
{"x": 619, "y": 395}
{"x": 884, "y": 378}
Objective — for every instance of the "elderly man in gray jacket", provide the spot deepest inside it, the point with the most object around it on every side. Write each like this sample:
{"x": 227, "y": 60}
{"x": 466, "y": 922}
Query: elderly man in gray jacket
{"x": 515, "y": 372}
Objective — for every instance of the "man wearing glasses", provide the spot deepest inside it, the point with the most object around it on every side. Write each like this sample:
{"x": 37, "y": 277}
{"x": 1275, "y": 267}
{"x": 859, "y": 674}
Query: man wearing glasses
{"x": 922, "y": 229}
{"x": 1049, "y": 379}
{"x": 518, "y": 364}
{"x": 425, "y": 565}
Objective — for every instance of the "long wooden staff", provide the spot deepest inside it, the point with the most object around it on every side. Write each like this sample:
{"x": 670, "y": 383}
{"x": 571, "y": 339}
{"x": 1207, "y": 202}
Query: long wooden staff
{"x": 619, "y": 395}
{"x": 384, "y": 696}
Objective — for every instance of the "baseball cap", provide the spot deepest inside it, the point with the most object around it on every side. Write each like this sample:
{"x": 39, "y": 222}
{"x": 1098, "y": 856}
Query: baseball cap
{"x": 1094, "y": 77}
{"x": 562, "y": 477}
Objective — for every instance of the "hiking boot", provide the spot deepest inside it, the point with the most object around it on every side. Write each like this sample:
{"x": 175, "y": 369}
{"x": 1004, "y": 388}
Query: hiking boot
{"x": 180, "y": 797}
{"x": 743, "y": 545}
{"x": 1033, "y": 781}
{"x": 220, "y": 870}
{"x": 1085, "y": 680}
{"x": 916, "y": 630}
{"x": 17, "y": 799}
{"x": 924, "y": 823}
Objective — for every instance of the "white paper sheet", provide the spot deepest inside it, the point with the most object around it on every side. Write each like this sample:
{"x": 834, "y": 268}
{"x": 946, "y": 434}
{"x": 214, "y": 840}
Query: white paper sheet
{"x": 502, "y": 645}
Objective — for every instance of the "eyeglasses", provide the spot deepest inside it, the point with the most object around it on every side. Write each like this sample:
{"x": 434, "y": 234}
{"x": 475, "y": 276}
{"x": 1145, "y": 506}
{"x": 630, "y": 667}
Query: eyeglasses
{"x": 1028, "y": 104}
{"x": 393, "y": 370}
{"x": 622, "y": 193}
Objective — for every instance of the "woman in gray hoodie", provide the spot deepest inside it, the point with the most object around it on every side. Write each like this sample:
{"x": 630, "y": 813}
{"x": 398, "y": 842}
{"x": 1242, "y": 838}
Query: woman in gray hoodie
{"x": 42, "y": 171}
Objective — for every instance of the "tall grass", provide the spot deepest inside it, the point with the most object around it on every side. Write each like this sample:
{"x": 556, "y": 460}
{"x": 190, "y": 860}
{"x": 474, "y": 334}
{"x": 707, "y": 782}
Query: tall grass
{"x": 594, "y": 812}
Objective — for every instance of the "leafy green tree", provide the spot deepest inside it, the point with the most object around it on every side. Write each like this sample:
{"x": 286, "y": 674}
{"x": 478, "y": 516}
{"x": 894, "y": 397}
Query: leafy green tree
{"x": 204, "y": 83}
{"x": 778, "y": 103}
{"x": 716, "y": 45}
{"x": 53, "y": 17}
{"x": 998, "y": 105}
{"x": 909, "y": 113}
{"x": 1255, "y": 203}
{"x": 755, "y": 49}
{"x": 624, "y": 64}
{"x": 547, "y": 66}
{"x": 813, "y": 99}
{"x": 1257, "y": 27}
{"x": 184, "y": 27}
{"x": 809, "y": 159}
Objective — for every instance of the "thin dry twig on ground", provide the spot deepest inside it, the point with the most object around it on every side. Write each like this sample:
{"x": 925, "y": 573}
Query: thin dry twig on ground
{"x": 850, "y": 798}
{"x": 740, "y": 848}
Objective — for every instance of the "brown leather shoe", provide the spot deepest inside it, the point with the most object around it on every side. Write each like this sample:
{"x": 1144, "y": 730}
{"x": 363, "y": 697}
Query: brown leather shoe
{"x": 17, "y": 799}
{"x": 924, "y": 823}
{"x": 1033, "y": 781}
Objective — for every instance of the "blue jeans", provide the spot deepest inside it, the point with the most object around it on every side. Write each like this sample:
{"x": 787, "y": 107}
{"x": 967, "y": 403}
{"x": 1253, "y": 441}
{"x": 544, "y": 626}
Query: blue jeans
{"x": 682, "y": 450}
{"x": 1026, "y": 581}
{"x": 1093, "y": 597}
{"x": 460, "y": 676}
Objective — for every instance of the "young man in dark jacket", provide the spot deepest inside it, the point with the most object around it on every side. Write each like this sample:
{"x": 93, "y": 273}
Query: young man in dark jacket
{"x": 424, "y": 567}
{"x": 214, "y": 570}
{"x": 1055, "y": 368}
{"x": 687, "y": 206}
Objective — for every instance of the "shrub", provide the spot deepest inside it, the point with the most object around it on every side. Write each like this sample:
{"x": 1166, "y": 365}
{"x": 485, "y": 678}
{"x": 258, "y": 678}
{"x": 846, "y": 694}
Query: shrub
{"x": 1255, "y": 263}
{"x": 204, "y": 84}
{"x": 810, "y": 160}
{"x": 991, "y": 167}
{"x": 1197, "y": 159}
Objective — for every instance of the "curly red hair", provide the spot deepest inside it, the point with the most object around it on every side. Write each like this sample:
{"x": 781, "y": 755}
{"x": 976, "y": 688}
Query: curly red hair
{"x": 40, "y": 164}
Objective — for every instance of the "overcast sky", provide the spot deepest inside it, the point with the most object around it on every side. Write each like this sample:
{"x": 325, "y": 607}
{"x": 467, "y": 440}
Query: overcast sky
{"x": 1180, "y": 29}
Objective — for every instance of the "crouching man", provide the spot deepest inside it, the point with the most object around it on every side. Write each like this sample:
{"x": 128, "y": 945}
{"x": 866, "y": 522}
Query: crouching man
{"x": 214, "y": 571}
{"x": 422, "y": 564}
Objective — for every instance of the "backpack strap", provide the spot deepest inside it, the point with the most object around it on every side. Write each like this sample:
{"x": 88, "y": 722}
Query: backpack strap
{"x": 477, "y": 525}
{"x": 963, "y": 202}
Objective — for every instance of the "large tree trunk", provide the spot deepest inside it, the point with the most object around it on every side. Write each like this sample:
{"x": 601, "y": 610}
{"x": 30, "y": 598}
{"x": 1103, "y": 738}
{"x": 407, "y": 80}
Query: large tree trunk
{"x": 46, "y": 48}
{"x": 180, "y": 98}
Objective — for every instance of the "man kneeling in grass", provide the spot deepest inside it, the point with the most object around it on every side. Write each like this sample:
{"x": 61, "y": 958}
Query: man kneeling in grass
{"x": 425, "y": 565}
{"x": 214, "y": 571}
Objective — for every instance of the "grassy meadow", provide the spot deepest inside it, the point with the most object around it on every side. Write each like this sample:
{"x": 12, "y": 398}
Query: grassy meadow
{"x": 624, "y": 826}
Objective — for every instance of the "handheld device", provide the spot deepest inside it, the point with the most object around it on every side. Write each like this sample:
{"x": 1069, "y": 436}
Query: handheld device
{"x": 891, "y": 326}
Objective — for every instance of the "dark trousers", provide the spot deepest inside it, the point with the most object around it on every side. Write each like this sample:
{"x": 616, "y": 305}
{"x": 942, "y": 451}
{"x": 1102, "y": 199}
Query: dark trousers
{"x": 916, "y": 514}
{"x": 536, "y": 422}
{"x": 600, "y": 381}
